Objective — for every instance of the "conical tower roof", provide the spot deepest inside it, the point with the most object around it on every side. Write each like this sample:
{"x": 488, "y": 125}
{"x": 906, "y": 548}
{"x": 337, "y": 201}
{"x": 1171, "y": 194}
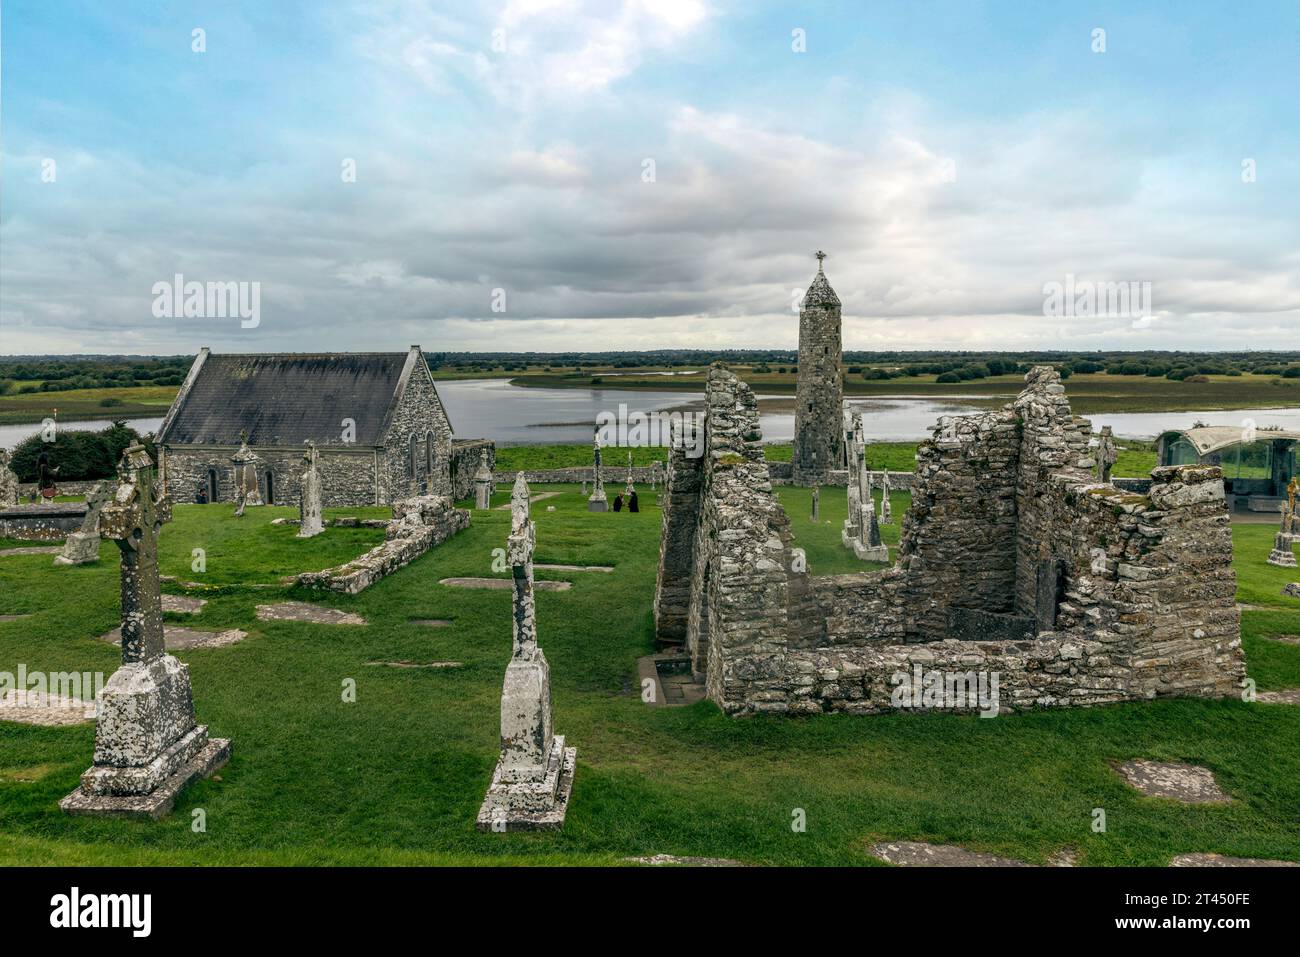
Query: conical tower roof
{"x": 819, "y": 291}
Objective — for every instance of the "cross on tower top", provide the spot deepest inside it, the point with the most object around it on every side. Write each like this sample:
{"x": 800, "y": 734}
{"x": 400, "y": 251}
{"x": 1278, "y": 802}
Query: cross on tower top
{"x": 820, "y": 256}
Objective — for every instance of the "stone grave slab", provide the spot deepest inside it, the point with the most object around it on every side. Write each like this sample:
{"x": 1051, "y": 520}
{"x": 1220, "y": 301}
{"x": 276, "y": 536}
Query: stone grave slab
{"x": 504, "y": 584}
{"x": 43, "y": 709}
{"x": 4, "y": 618}
{"x": 921, "y": 854}
{"x": 178, "y": 638}
{"x": 1287, "y": 696}
{"x": 574, "y": 568}
{"x": 1219, "y": 860}
{"x": 307, "y": 612}
{"x": 431, "y": 622}
{"x": 1177, "y": 782}
{"x": 183, "y": 604}
{"x": 673, "y": 860}
{"x": 33, "y": 550}
{"x": 1286, "y": 639}
{"x": 414, "y": 664}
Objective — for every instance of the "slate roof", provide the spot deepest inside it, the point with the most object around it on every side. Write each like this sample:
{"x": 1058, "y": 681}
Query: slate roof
{"x": 286, "y": 399}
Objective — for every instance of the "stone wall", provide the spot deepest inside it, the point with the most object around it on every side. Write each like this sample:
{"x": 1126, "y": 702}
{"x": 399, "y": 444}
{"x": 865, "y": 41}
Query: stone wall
{"x": 347, "y": 474}
{"x": 41, "y": 523}
{"x": 418, "y": 524}
{"x": 465, "y": 455}
{"x": 1012, "y": 560}
{"x": 613, "y": 475}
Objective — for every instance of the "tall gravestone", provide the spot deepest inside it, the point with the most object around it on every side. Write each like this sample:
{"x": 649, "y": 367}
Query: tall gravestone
{"x": 597, "y": 502}
{"x": 534, "y": 775}
{"x": 8, "y": 481}
{"x": 483, "y": 483}
{"x": 82, "y": 546}
{"x": 886, "y": 508}
{"x": 147, "y": 743}
{"x": 629, "y": 487}
{"x": 309, "y": 511}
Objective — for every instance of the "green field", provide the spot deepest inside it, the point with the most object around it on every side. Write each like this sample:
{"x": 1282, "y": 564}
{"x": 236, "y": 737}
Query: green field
{"x": 397, "y": 776}
{"x": 136, "y": 402}
{"x": 1136, "y": 461}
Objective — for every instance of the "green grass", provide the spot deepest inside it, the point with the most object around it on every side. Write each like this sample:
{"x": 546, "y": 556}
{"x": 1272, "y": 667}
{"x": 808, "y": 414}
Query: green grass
{"x": 1258, "y": 582}
{"x": 137, "y": 402}
{"x": 1135, "y": 461}
{"x": 535, "y": 457}
{"x": 398, "y": 776}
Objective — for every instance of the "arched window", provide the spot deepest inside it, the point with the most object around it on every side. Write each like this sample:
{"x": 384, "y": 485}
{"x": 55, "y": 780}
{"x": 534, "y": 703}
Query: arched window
{"x": 428, "y": 455}
{"x": 410, "y": 459}
{"x": 270, "y": 488}
{"x": 212, "y": 485}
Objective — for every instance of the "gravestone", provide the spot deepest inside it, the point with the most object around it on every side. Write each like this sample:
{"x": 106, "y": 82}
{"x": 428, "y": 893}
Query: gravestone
{"x": 597, "y": 501}
{"x": 886, "y": 509}
{"x": 309, "y": 519}
{"x": 1107, "y": 454}
{"x": 871, "y": 548}
{"x": 147, "y": 743}
{"x": 8, "y": 481}
{"x": 534, "y": 775}
{"x": 483, "y": 483}
{"x": 245, "y": 463}
{"x": 82, "y": 546}
{"x": 816, "y": 504}
{"x": 629, "y": 488}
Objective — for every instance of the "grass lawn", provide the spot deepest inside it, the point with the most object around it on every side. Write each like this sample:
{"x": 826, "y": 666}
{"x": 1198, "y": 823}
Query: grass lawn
{"x": 397, "y": 777}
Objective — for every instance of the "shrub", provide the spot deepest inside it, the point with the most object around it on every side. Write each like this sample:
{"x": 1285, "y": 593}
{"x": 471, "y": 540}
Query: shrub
{"x": 77, "y": 455}
{"x": 948, "y": 377}
{"x": 109, "y": 402}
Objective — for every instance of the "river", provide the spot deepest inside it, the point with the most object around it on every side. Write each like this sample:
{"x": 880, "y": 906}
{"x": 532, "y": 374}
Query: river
{"x": 513, "y": 415}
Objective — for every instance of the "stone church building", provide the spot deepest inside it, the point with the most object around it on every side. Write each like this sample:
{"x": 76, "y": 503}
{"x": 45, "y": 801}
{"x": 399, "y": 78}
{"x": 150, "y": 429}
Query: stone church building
{"x": 380, "y": 429}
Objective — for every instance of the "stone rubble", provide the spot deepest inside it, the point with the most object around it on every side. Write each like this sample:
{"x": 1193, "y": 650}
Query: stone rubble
{"x": 82, "y": 546}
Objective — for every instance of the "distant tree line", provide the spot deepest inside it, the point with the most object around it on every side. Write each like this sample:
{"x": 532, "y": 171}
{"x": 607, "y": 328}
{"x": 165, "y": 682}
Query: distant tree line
{"x": 22, "y": 375}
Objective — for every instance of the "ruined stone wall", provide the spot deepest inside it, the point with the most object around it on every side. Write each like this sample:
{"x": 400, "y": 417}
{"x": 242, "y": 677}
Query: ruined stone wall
{"x": 418, "y": 524}
{"x": 347, "y": 474}
{"x": 680, "y": 508}
{"x": 1012, "y": 560}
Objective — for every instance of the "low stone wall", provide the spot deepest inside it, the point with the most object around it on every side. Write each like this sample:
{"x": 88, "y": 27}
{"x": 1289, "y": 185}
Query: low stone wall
{"x": 28, "y": 489}
{"x": 41, "y": 523}
{"x": 418, "y": 524}
{"x": 613, "y": 475}
{"x": 782, "y": 473}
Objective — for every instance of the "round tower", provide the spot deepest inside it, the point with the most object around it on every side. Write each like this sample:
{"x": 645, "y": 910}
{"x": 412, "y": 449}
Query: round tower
{"x": 819, "y": 399}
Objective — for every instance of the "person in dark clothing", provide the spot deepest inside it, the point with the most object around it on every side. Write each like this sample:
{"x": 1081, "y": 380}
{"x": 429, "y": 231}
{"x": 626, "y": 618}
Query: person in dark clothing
{"x": 618, "y": 502}
{"x": 632, "y": 505}
{"x": 201, "y": 496}
{"x": 45, "y": 476}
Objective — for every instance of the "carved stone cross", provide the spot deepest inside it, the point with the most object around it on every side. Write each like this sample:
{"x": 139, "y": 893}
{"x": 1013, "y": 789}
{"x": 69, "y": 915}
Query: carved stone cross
{"x": 519, "y": 552}
{"x": 133, "y": 520}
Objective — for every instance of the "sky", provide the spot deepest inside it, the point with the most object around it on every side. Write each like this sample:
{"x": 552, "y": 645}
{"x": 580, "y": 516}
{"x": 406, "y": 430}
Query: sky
{"x": 556, "y": 175}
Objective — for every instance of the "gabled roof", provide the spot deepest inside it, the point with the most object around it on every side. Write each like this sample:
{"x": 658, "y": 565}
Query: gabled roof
{"x": 285, "y": 399}
{"x": 1212, "y": 438}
